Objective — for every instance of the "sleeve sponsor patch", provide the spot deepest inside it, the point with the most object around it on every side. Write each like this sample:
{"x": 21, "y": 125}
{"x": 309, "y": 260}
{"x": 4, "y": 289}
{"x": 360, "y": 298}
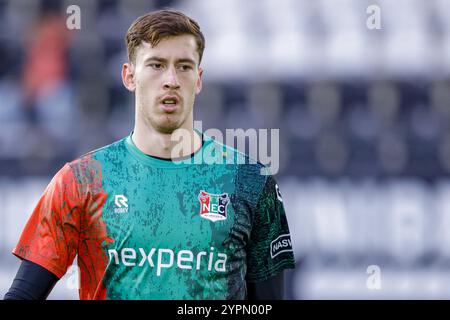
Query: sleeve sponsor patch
{"x": 281, "y": 244}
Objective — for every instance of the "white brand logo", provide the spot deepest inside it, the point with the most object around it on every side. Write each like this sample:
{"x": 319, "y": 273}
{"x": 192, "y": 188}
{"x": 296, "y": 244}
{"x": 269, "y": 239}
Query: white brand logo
{"x": 121, "y": 203}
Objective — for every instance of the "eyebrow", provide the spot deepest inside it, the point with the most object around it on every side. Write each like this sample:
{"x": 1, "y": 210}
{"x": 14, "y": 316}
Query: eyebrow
{"x": 159, "y": 59}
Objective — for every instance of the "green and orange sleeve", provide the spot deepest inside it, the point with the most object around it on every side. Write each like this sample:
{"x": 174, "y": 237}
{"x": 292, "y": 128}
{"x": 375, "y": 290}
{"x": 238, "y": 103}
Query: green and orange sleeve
{"x": 50, "y": 237}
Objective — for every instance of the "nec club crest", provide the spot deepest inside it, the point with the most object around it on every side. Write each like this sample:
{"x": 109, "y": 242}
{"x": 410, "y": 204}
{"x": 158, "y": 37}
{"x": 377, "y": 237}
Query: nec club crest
{"x": 213, "y": 206}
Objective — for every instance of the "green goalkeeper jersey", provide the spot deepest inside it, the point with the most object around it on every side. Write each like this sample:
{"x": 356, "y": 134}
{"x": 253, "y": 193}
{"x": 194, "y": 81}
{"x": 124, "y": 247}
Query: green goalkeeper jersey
{"x": 149, "y": 228}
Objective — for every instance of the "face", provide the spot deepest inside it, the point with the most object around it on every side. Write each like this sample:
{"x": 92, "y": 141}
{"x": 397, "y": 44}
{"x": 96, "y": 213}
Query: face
{"x": 165, "y": 78}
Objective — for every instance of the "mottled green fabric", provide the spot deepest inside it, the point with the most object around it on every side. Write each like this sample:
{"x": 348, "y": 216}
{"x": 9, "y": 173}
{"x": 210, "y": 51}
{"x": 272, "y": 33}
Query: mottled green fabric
{"x": 164, "y": 248}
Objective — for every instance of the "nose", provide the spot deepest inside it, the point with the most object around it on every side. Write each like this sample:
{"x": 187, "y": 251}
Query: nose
{"x": 171, "y": 79}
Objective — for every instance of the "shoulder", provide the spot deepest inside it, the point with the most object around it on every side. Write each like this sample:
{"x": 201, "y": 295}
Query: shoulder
{"x": 87, "y": 169}
{"x": 109, "y": 149}
{"x": 93, "y": 156}
{"x": 251, "y": 175}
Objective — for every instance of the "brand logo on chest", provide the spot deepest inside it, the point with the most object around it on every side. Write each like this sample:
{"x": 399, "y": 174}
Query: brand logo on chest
{"x": 120, "y": 203}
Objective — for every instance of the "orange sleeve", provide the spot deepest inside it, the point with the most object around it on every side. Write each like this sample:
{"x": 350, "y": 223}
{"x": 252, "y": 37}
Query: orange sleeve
{"x": 50, "y": 237}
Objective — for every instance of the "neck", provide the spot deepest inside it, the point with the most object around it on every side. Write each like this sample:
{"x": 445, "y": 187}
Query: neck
{"x": 180, "y": 143}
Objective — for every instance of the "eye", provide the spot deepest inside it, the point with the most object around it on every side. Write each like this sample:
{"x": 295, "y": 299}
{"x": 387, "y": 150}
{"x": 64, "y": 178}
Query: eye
{"x": 156, "y": 66}
{"x": 185, "y": 67}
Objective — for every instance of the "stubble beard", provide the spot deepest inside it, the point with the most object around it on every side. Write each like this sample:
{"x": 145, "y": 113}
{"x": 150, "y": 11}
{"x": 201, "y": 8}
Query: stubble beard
{"x": 161, "y": 122}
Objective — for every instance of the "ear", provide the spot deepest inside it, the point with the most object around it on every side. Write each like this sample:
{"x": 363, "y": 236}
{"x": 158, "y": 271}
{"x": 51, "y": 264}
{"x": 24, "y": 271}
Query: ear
{"x": 199, "y": 81}
{"x": 128, "y": 76}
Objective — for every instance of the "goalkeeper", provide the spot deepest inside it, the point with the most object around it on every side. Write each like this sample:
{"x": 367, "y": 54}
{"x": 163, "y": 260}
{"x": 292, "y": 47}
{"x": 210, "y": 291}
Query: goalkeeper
{"x": 145, "y": 224}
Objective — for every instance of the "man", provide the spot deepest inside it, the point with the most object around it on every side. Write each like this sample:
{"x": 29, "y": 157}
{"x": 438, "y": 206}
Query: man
{"x": 150, "y": 217}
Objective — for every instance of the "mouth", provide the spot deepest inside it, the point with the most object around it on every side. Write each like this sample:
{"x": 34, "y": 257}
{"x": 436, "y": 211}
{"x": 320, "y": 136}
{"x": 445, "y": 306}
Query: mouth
{"x": 169, "y": 104}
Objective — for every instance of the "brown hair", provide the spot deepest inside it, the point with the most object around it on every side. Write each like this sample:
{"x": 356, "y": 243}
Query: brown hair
{"x": 156, "y": 25}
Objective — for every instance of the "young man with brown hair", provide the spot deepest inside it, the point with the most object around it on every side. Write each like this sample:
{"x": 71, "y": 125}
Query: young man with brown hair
{"x": 147, "y": 222}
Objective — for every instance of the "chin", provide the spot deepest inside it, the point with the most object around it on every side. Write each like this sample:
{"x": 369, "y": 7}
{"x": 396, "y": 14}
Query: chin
{"x": 168, "y": 126}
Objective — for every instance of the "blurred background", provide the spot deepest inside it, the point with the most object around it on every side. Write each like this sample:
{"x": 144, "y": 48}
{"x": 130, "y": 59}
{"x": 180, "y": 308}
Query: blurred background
{"x": 363, "y": 114}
